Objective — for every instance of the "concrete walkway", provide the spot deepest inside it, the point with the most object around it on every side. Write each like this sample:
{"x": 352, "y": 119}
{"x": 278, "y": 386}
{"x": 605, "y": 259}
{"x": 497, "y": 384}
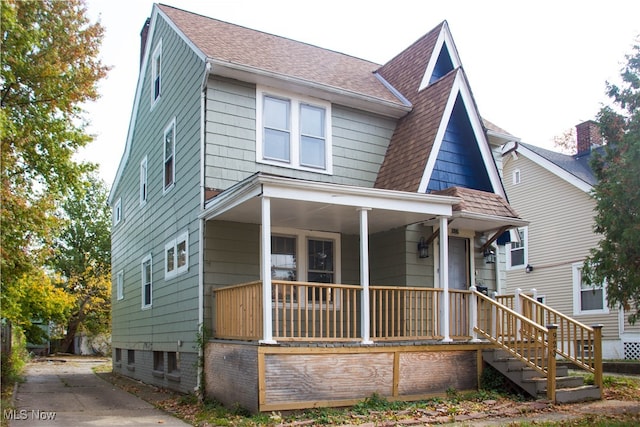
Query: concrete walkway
{"x": 66, "y": 392}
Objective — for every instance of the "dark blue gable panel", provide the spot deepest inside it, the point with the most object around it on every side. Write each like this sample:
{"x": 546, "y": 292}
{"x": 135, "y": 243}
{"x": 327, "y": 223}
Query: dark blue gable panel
{"x": 443, "y": 64}
{"x": 459, "y": 162}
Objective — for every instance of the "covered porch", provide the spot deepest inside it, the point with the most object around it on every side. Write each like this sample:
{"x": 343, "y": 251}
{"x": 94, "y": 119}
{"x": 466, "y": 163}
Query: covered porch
{"x": 351, "y": 296}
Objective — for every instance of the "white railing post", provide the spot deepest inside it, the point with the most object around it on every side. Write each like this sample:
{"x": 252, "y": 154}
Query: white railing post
{"x": 444, "y": 277}
{"x": 517, "y": 307}
{"x": 267, "y": 326}
{"x": 534, "y": 308}
{"x": 494, "y": 315}
{"x": 473, "y": 314}
{"x": 365, "y": 316}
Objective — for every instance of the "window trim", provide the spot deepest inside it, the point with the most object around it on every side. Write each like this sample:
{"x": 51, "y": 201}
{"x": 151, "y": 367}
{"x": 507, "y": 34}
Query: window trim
{"x": 295, "y": 105}
{"x": 145, "y": 260}
{"x": 525, "y": 248}
{"x": 171, "y": 127}
{"x": 576, "y": 275}
{"x": 117, "y": 211}
{"x": 144, "y": 182}
{"x": 120, "y": 285}
{"x": 173, "y": 244}
{"x": 156, "y": 58}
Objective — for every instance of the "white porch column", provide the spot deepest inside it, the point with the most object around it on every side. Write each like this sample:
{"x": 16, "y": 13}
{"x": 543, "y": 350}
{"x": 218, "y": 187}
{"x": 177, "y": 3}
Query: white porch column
{"x": 473, "y": 314}
{"x": 444, "y": 278}
{"x": 364, "y": 276}
{"x": 267, "y": 327}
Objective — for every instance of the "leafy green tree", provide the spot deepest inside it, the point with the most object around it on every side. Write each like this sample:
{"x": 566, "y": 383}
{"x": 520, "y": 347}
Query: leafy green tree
{"x": 50, "y": 67}
{"x": 616, "y": 260}
{"x": 82, "y": 259}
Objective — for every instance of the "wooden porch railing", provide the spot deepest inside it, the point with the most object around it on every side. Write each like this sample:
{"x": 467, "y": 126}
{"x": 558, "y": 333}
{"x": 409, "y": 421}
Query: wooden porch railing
{"x": 523, "y": 338}
{"x": 401, "y": 313}
{"x": 238, "y": 312}
{"x": 315, "y": 311}
{"x": 306, "y": 311}
{"x": 578, "y": 343}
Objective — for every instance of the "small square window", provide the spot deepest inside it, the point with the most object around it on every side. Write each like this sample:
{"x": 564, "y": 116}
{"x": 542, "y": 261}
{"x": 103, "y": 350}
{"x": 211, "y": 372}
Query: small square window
{"x": 516, "y": 176}
{"x": 173, "y": 361}
{"x": 131, "y": 357}
{"x": 176, "y": 256}
{"x": 158, "y": 361}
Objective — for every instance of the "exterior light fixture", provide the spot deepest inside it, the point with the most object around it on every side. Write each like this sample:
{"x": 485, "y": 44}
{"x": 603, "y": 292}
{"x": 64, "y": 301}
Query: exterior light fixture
{"x": 489, "y": 256}
{"x": 423, "y": 248}
{"x": 528, "y": 268}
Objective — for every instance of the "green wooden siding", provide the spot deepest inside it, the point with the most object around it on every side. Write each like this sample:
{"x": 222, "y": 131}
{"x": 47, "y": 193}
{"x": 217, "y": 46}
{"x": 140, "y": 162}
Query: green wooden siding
{"x": 146, "y": 229}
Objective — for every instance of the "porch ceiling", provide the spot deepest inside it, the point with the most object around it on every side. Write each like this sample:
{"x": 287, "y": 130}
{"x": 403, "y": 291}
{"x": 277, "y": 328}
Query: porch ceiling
{"x": 323, "y": 206}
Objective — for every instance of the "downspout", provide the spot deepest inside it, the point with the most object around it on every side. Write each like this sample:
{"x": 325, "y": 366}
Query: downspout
{"x": 499, "y": 289}
{"x": 201, "y": 230}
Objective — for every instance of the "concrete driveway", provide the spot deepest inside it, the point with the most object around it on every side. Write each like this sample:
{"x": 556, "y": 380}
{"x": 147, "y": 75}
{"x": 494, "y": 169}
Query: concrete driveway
{"x": 66, "y": 392}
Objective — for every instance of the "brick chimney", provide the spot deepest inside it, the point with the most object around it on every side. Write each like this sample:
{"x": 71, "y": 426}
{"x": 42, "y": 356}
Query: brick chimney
{"x": 588, "y": 136}
{"x": 143, "y": 39}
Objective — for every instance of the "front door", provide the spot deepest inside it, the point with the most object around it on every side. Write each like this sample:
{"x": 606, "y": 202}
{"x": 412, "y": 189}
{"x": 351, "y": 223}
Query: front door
{"x": 458, "y": 263}
{"x": 458, "y": 280}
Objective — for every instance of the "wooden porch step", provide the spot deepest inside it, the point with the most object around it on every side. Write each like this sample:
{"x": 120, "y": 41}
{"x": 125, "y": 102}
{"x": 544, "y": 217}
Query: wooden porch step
{"x": 568, "y": 388}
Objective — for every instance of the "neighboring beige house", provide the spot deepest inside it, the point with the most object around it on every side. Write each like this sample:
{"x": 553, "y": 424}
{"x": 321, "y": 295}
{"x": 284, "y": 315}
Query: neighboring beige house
{"x": 552, "y": 190}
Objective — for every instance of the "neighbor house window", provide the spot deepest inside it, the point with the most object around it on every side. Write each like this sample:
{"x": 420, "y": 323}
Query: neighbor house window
{"x": 120, "y": 285}
{"x": 131, "y": 357}
{"x": 294, "y": 132}
{"x": 156, "y": 73}
{"x": 147, "y": 284}
{"x": 118, "y": 355}
{"x": 307, "y": 257}
{"x": 517, "y": 249}
{"x": 143, "y": 181}
{"x": 117, "y": 212}
{"x": 169, "y": 155}
{"x": 516, "y": 176}
{"x": 587, "y": 299}
{"x": 176, "y": 256}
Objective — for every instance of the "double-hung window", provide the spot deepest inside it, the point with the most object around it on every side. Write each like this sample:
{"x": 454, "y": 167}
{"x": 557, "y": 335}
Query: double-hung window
{"x": 143, "y": 181}
{"x": 587, "y": 299}
{"x": 517, "y": 249}
{"x": 156, "y": 73}
{"x": 293, "y": 132}
{"x": 147, "y": 284}
{"x": 176, "y": 256}
{"x": 169, "y": 151}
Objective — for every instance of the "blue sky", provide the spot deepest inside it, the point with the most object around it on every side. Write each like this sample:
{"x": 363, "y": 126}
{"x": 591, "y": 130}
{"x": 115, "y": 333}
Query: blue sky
{"x": 536, "y": 68}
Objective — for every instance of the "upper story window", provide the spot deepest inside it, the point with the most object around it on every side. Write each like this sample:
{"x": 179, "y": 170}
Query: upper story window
{"x": 117, "y": 212}
{"x": 143, "y": 181}
{"x": 176, "y": 256}
{"x": 293, "y": 132}
{"x": 517, "y": 252}
{"x": 587, "y": 299}
{"x": 156, "y": 73}
{"x": 147, "y": 284}
{"x": 169, "y": 156}
{"x": 120, "y": 285}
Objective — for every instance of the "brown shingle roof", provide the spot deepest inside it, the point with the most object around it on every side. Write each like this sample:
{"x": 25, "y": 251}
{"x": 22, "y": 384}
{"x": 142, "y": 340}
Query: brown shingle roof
{"x": 241, "y": 46}
{"x": 481, "y": 202}
{"x": 413, "y": 139}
